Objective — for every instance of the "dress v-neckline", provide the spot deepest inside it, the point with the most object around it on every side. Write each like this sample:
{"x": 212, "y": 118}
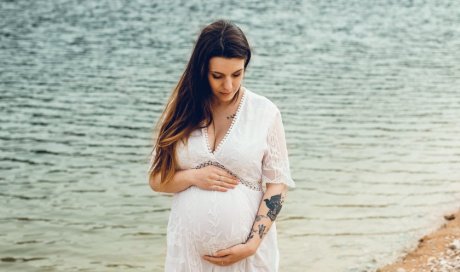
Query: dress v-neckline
{"x": 229, "y": 130}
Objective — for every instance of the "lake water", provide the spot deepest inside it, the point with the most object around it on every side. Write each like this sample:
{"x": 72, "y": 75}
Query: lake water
{"x": 369, "y": 92}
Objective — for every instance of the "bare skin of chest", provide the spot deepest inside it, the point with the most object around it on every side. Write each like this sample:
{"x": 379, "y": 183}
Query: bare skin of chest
{"x": 222, "y": 121}
{"x": 217, "y": 131}
{"x": 223, "y": 116}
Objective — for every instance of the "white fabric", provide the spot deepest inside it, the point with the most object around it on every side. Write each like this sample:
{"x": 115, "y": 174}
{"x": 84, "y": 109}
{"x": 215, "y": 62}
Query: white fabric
{"x": 202, "y": 222}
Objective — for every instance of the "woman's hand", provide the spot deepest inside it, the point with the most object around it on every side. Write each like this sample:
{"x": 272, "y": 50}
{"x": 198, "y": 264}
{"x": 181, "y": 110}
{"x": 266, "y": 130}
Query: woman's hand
{"x": 231, "y": 255}
{"x": 213, "y": 178}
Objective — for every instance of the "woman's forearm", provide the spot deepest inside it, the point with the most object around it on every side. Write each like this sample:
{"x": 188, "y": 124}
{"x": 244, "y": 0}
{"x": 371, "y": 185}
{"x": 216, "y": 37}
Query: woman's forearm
{"x": 269, "y": 208}
{"x": 181, "y": 181}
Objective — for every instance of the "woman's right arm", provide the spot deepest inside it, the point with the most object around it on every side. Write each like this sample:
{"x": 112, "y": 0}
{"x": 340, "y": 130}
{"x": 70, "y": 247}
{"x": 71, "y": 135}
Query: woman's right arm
{"x": 207, "y": 178}
{"x": 181, "y": 181}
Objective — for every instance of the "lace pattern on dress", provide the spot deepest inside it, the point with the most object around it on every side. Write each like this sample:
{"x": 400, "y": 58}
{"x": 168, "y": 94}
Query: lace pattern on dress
{"x": 275, "y": 168}
{"x": 250, "y": 185}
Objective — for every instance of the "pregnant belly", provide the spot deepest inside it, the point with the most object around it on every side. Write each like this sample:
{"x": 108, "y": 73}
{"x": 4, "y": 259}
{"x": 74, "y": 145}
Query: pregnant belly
{"x": 211, "y": 220}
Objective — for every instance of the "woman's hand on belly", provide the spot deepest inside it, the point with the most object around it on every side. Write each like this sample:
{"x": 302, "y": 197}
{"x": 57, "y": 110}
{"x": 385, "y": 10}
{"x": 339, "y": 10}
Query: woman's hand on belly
{"x": 213, "y": 178}
{"x": 231, "y": 255}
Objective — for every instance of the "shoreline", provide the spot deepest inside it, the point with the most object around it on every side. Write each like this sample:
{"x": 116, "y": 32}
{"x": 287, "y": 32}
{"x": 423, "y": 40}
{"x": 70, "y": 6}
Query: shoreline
{"x": 437, "y": 251}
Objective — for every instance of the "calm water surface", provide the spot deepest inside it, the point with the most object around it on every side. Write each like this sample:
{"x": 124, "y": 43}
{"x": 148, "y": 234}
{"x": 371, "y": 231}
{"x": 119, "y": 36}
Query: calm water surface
{"x": 369, "y": 92}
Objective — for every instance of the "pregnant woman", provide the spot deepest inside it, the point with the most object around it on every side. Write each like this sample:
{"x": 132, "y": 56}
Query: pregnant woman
{"x": 220, "y": 148}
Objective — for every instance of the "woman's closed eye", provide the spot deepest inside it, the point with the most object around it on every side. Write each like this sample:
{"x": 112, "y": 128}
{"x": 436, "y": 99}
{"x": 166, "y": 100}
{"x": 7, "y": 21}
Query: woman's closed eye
{"x": 219, "y": 76}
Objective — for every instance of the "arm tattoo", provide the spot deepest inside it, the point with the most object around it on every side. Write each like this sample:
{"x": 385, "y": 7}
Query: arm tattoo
{"x": 250, "y": 236}
{"x": 261, "y": 230}
{"x": 260, "y": 216}
{"x": 274, "y": 204}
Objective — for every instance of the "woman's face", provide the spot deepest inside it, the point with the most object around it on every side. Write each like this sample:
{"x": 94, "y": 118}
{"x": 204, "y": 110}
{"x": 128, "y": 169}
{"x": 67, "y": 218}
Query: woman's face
{"x": 225, "y": 76}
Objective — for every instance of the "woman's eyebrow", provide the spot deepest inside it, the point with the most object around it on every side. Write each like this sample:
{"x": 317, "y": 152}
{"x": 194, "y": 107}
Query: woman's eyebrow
{"x": 215, "y": 72}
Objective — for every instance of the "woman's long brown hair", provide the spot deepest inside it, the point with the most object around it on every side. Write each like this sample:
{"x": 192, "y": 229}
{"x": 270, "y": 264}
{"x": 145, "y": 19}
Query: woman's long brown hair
{"x": 189, "y": 106}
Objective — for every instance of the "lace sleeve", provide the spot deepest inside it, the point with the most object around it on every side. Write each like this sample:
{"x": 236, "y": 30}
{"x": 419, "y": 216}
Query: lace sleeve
{"x": 275, "y": 164}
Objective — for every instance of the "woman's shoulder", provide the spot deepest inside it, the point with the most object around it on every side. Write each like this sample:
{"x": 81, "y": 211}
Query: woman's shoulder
{"x": 261, "y": 101}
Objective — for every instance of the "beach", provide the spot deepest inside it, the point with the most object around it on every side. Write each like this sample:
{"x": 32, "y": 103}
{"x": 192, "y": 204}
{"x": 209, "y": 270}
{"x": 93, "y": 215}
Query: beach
{"x": 438, "y": 251}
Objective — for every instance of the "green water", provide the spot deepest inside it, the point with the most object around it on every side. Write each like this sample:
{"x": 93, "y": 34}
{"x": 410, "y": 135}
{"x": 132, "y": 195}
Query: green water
{"x": 369, "y": 96}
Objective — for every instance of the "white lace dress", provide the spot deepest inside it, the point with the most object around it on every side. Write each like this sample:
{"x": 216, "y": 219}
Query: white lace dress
{"x": 202, "y": 222}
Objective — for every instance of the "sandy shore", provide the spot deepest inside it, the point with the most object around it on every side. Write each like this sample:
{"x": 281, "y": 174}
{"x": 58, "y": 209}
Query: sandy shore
{"x": 436, "y": 252}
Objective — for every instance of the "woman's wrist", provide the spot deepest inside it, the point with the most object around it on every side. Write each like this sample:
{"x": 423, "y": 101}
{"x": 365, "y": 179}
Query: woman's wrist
{"x": 253, "y": 245}
{"x": 191, "y": 176}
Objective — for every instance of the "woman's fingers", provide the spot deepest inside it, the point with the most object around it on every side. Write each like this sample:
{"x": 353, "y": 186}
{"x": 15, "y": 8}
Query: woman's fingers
{"x": 230, "y": 185}
{"x": 218, "y": 188}
{"x": 224, "y": 184}
{"x": 223, "y": 253}
{"x": 222, "y": 261}
{"x": 226, "y": 177}
{"x": 230, "y": 180}
{"x": 220, "y": 180}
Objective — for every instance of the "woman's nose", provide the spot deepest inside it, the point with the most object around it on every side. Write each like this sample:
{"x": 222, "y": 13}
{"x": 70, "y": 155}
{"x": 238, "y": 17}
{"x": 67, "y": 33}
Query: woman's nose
{"x": 228, "y": 84}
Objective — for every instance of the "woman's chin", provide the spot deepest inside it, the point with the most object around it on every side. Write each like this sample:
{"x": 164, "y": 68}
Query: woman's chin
{"x": 225, "y": 97}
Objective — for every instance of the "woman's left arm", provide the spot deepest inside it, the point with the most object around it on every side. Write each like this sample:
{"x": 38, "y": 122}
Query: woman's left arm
{"x": 277, "y": 177}
{"x": 269, "y": 209}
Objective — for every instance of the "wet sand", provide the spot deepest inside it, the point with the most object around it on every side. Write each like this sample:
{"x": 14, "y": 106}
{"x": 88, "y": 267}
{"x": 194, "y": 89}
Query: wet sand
{"x": 436, "y": 252}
